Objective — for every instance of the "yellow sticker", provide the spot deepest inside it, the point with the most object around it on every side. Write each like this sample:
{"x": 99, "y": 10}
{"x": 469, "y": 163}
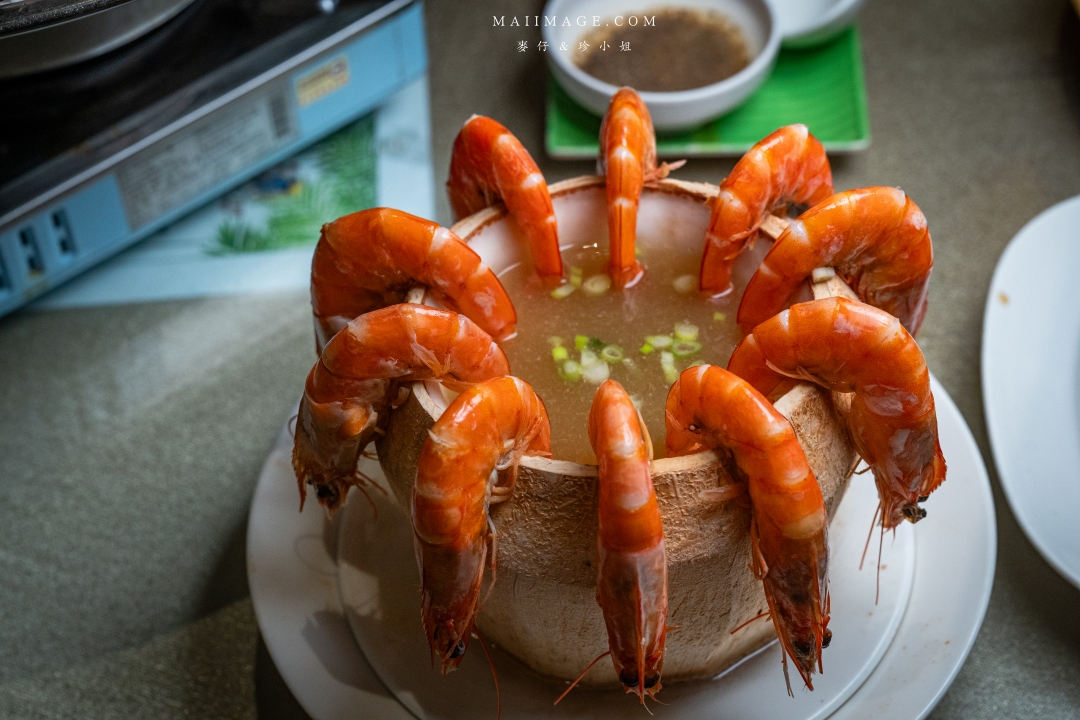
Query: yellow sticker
{"x": 323, "y": 80}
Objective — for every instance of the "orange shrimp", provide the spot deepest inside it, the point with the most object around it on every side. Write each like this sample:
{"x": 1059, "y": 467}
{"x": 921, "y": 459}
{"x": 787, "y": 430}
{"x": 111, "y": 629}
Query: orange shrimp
{"x": 709, "y": 407}
{"x": 631, "y": 586}
{"x": 789, "y": 166}
{"x": 877, "y": 240}
{"x": 489, "y": 164}
{"x": 370, "y": 259}
{"x": 468, "y": 462}
{"x": 847, "y": 346}
{"x": 628, "y": 159}
{"x": 351, "y": 387}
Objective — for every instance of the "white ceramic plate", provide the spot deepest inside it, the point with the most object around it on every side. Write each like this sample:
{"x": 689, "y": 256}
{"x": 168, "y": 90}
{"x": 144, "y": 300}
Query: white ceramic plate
{"x": 295, "y": 594}
{"x": 380, "y": 587}
{"x": 1031, "y": 381}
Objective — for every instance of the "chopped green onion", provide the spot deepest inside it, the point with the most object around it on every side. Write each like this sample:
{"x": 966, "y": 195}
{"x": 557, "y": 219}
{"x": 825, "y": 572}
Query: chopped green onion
{"x": 576, "y": 271}
{"x": 555, "y": 341}
{"x": 562, "y": 291}
{"x": 686, "y": 331}
{"x": 589, "y": 358}
{"x": 611, "y": 354}
{"x": 575, "y": 280}
{"x": 659, "y": 341}
{"x": 647, "y": 348}
{"x": 596, "y": 344}
{"x": 597, "y": 285}
{"x": 570, "y": 370}
{"x": 719, "y": 317}
{"x": 685, "y": 284}
{"x": 596, "y": 373}
{"x": 580, "y": 341}
{"x": 667, "y": 364}
{"x": 683, "y": 349}
{"x": 559, "y": 353}
{"x": 822, "y": 274}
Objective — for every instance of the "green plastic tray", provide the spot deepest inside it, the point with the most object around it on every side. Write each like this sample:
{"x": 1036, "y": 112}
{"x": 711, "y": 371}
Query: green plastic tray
{"x": 822, "y": 87}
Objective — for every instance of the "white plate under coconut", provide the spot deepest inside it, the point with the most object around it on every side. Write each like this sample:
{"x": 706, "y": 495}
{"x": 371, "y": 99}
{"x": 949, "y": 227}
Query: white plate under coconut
{"x": 1031, "y": 382}
{"x": 292, "y": 573}
{"x": 380, "y": 590}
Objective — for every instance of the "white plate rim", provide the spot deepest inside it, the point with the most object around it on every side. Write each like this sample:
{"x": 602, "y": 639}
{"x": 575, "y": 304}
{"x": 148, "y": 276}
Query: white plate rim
{"x": 1032, "y": 239}
{"x": 904, "y": 685}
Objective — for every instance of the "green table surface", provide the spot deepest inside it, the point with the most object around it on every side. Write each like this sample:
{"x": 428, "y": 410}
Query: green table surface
{"x": 822, "y": 87}
{"x": 131, "y": 437}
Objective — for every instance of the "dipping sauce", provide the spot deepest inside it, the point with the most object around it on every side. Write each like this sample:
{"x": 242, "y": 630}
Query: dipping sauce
{"x": 634, "y": 329}
{"x": 685, "y": 49}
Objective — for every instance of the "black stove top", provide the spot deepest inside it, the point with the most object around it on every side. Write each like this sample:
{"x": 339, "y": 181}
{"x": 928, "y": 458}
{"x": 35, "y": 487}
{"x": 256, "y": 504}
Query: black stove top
{"x": 47, "y": 114}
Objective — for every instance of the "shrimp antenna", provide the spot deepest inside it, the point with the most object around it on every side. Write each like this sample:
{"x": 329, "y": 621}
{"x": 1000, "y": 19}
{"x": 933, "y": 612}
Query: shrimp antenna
{"x": 756, "y": 617}
{"x": 783, "y": 661}
{"x": 869, "y": 535}
{"x": 495, "y": 675}
{"x": 881, "y": 542}
{"x": 586, "y": 670}
{"x": 494, "y": 551}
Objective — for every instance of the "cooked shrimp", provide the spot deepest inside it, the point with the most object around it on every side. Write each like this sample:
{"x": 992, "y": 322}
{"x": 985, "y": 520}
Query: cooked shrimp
{"x": 489, "y": 164}
{"x": 789, "y": 166}
{"x": 710, "y": 407}
{"x": 847, "y": 346}
{"x": 628, "y": 159}
{"x": 631, "y": 586}
{"x": 876, "y": 239}
{"x": 468, "y": 462}
{"x": 351, "y": 387}
{"x": 371, "y": 258}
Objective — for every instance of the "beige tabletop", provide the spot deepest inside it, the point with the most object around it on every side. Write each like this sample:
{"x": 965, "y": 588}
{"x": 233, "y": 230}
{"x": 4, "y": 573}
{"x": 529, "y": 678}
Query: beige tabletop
{"x": 131, "y": 437}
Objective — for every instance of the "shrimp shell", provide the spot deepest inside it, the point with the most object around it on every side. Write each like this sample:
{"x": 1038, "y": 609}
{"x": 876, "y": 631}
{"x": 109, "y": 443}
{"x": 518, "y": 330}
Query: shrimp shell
{"x": 877, "y": 240}
{"x": 370, "y": 259}
{"x": 350, "y": 388}
{"x": 489, "y": 164}
{"x": 628, "y": 159}
{"x": 631, "y": 584}
{"x": 788, "y": 166}
{"x": 709, "y": 407}
{"x": 848, "y": 346}
{"x": 480, "y": 437}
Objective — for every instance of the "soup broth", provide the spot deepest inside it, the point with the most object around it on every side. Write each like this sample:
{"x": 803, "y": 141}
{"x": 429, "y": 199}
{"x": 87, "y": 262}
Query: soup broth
{"x": 631, "y": 333}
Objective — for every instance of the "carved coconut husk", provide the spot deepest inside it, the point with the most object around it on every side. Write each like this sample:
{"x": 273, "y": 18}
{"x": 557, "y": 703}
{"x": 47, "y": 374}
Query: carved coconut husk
{"x": 543, "y": 607}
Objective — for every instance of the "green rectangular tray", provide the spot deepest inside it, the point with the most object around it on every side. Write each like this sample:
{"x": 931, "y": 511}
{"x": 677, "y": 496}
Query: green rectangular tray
{"x": 822, "y": 87}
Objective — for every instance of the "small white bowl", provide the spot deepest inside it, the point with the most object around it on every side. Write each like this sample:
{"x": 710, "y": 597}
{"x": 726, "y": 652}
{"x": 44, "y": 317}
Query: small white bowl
{"x": 670, "y": 110}
{"x": 811, "y": 22}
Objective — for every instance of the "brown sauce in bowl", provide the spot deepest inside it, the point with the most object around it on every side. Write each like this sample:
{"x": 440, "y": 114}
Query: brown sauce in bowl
{"x": 685, "y": 49}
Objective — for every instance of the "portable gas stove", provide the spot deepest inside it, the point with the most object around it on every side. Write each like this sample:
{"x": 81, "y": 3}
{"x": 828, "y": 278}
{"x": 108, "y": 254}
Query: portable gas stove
{"x": 99, "y": 154}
